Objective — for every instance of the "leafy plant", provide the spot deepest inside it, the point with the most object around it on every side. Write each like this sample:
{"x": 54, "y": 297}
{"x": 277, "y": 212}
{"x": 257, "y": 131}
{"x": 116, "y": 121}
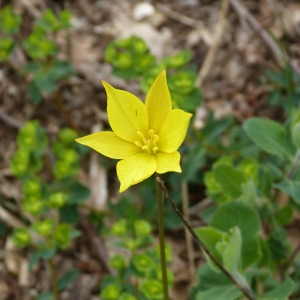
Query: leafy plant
{"x": 54, "y": 197}
{"x": 131, "y": 58}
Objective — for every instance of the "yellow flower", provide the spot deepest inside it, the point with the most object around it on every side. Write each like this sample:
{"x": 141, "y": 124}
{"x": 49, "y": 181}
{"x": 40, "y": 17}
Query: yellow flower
{"x": 145, "y": 136}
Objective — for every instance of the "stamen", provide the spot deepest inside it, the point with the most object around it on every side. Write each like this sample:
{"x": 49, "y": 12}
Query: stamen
{"x": 148, "y": 145}
{"x": 141, "y": 136}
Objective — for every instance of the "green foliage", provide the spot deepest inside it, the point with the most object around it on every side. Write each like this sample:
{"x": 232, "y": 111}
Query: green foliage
{"x": 10, "y": 22}
{"x": 143, "y": 264}
{"x": 21, "y": 237}
{"x": 242, "y": 188}
{"x": 243, "y": 169}
{"x": 131, "y": 58}
{"x": 45, "y": 198}
{"x": 285, "y": 90}
{"x": 45, "y": 70}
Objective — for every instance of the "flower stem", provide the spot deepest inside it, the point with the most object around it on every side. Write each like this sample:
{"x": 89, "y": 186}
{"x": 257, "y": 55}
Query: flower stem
{"x": 53, "y": 279}
{"x": 162, "y": 241}
{"x": 246, "y": 290}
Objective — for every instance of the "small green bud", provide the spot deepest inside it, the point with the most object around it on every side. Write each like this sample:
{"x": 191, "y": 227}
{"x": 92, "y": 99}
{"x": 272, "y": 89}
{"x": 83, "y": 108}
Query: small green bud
{"x": 155, "y": 273}
{"x": 127, "y": 296}
{"x": 69, "y": 156}
{"x": 119, "y": 228}
{"x": 111, "y": 292}
{"x": 9, "y": 21}
{"x": 44, "y": 227}
{"x": 145, "y": 62}
{"x": 152, "y": 289}
{"x": 39, "y": 46}
{"x": 249, "y": 167}
{"x": 61, "y": 169}
{"x": 138, "y": 45}
{"x": 142, "y": 262}
{"x": 21, "y": 237}
{"x": 130, "y": 243}
{"x": 168, "y": 252}
{"x": 57, "y": 200}
{"x": 183, "y": 82}
{"x": 67, "y": 135}
{"x": 62, "y": 235}
{"x": 142, "y": 228}
{"x": 118, "y": 262}
{"x": 19, "y": 162}
{"x": 32, "y": 187}
{"x": 33, "y": 205}
{"x": 123, "y": 60}
{"x": 110, "y": 53}
{"x": 6, "y": 47}
{"x": 210, "y": 182}
{"x": 179, "y": 59}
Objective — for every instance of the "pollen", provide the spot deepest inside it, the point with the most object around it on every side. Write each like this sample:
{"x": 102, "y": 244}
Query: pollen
{"x": 148, "y": 144}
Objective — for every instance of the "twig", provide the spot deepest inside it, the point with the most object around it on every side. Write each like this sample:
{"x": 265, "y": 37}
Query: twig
{"x": 10, "y": 219}
{"x": 280, "y": 55}
{"x": 188, "y": 237}
{"x": 179, "y": 17}
{"x": 292, "y": 257}
{"x": 219, "y": 29}
{"x": 245, "y": 290}
{"x": 11, "y": 121}
{"x": 200, "y": 206}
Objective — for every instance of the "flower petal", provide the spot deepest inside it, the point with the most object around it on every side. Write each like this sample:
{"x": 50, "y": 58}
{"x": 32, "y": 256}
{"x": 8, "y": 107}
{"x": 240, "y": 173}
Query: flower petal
{"x": 135, "y": 169}
{"x": 127, "y": 114}
{"x": 158, "y": 102}
{"x": 109, "y": 144}
{"x": 173, "y": 130}
{"x": 168, "y": 162}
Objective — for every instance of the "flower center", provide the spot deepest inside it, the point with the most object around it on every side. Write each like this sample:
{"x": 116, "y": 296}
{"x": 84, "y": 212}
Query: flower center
{"x": 148, "y": 145}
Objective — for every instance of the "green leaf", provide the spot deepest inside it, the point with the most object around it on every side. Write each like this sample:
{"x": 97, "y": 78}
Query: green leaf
{"x": 47, "y": 253}
{"x": 213, "y": 285}
{"x": 45, "y": 82}
{"x": 269, "y": 136}
{"x": 61, "y": 69}
{"x": 67, "y": 278}
{"x": 228, "y": 292}
{"x": 242, "y": 215}
{"x": 229, "y": 179}
{"x": 290, "y": 187}
{"x": 33, "y": 259}
{"x": 232, "y": 252}
{"x": 78, "y": 193}
{"x": 10, "y": 22}
{"x": 281, "y": 292}
{"x": 210, "y": 237}
{"x": 277, "y": 243}
{"x": 34, "y": 92}
{"x": 45, "y": 296}
{"x": 3, "y": 229}
{"x": 285, "y": 215}
{"x": 193, "y": 162}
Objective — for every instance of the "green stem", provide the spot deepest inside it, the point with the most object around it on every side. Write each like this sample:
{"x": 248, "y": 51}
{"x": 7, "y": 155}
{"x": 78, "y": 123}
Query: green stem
{"x": 162, "y": 241}
{"x": 246, "y": 290}
{"x": 53, "y": 279}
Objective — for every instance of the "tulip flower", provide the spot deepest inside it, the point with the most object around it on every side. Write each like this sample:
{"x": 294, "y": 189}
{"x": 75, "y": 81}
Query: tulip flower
{"x": 145, "y": 136}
